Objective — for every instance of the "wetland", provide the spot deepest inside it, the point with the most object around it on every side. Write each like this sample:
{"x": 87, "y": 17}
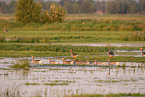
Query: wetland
{"x": 124, "y": 33}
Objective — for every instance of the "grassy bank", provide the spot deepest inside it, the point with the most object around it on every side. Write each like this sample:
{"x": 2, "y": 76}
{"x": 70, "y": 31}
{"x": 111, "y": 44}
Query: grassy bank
{"x": 70, "y": 37}
{"x": 59, "y": 48}
{"x": 85, "y": 52}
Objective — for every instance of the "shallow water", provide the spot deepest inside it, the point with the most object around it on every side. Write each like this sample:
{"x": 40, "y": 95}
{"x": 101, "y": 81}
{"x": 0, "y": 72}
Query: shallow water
{"x": 97, "y": 80}
{"x": 105, "y": 44}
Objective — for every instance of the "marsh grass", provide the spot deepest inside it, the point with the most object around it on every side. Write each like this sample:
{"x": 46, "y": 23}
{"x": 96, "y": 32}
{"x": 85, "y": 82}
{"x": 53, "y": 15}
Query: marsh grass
{"x": 53, "y": 84}
{"x": 107, "y": 95}
{"x": 21, "y": 64}
{"x": 49, "y": 84}
{"x": 31, "y": 84}
{"x": 107, "y": 81}
{"x": 132, "y": 37}
{"x": 24, "y": 39}
{"x": 60, "y": 48}
{"x": 10, "y": 92}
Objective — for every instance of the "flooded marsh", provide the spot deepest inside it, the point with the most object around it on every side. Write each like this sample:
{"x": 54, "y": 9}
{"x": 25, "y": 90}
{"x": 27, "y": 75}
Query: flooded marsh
{"x": 59, "y": 81}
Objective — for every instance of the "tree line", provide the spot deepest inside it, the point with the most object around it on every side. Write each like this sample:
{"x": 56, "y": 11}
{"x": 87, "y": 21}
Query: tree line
{"x": 87, "y": 6}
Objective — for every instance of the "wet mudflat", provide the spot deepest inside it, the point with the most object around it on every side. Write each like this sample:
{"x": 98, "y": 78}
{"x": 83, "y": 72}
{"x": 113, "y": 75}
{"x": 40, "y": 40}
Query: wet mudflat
{"x": 58, "y": 81}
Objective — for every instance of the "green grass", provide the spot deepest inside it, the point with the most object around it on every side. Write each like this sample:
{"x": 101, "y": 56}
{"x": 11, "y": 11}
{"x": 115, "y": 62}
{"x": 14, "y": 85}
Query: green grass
{"x": 69, "y": 37}
{"x": 60, "y": 48}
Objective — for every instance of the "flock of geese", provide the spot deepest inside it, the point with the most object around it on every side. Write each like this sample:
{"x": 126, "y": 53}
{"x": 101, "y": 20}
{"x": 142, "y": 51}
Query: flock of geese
{"x": 87, "y": 62}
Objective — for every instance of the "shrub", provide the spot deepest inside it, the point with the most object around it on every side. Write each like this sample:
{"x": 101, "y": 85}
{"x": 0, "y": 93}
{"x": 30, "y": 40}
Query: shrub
{"x": 56, "y": 13}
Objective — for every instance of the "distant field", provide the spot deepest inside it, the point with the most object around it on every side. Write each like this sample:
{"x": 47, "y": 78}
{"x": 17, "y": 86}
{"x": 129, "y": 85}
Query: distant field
{"x": 76, "y": 28}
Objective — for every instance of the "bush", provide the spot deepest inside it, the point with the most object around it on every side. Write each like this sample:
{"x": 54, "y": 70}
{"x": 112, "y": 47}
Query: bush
{"x": 56, "y": 13}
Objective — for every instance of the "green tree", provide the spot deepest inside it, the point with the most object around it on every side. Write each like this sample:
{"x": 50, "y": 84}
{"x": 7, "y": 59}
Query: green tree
{"x": 10, "y": 7}
{"x": 87, "y": 6}
{"x": 3, "y": 8}
{"x": 142, "y": 5}
{"x": 27, "y": 11}
{"x": 112, "y": 7}
{"x": 100, "y": 5}
{"x": 121, "y": 7}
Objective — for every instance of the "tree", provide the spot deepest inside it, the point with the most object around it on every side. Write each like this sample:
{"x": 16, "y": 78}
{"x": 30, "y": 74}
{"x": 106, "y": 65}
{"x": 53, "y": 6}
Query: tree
{"x": 87, "y": 6}
{"x": 112, "y": 7}
{"x": 142, "y": 5}
{"x": 3, "y": 8}
{"x": 121, "y": 6}
{"x": 100, "y": 5}
{"x": 10, "y": 6}
{"x": 27, "y": 11}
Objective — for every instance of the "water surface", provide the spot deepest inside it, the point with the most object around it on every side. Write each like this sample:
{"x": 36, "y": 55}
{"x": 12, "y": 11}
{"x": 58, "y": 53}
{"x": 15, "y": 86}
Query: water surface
{"x": 68, "y": 80}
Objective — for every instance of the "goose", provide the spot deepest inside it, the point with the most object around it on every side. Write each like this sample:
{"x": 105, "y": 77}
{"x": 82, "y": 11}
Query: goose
{"x": 52, "y": 62}
{"x": 74, "y": 55}
{"x": 36, "y": 61}
{"x": 111, "y": 54}
{"x": 112, "y": 63}
{"x": 84, "y": 62}
{"x": 100, "y": 63}
{"x": 5, "y": 30}
{"x": 65, "y": 62}
{"x": 94, "y": 62}
{"x": 72, "y": 62}
{"x": 143, "y": 53}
